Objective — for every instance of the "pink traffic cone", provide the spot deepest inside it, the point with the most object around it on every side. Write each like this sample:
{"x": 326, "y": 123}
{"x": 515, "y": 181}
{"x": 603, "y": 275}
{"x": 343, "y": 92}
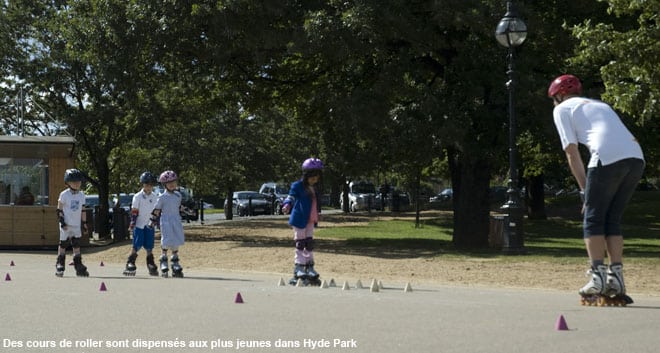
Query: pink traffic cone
{"x": 561, "y": 324}
{"x": 103, "y": 287}
{"x": 12, "y": 263}
{"x": 8, "y": 277}
{"x": 239, "y": 298}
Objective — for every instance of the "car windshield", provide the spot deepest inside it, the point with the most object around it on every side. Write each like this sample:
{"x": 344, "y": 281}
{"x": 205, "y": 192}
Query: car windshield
{"x": 247, "y": 195}
{"x": 125, "y": 200}
{"x": 281, "y": 189}
{"x": 91, "y": 200}
{"x": 364, "y": 188}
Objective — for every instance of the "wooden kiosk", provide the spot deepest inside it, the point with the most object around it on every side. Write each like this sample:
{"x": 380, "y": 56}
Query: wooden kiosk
{"x": 32, "y": 165}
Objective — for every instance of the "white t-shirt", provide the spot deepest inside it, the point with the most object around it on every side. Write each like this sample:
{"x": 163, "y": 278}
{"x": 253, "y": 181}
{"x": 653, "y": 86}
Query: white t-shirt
{"x": 597, "y": 126}
{"x": 145, "y": 205}
{"x": 72, "y": 206}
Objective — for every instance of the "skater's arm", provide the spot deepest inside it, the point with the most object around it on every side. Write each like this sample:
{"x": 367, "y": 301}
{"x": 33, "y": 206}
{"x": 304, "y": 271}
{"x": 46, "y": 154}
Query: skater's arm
{"x": 576, "y": 165}
{"x": 83, "y": 221}
{"x": 155, "y": 217}
{"x": 60, "y": 214}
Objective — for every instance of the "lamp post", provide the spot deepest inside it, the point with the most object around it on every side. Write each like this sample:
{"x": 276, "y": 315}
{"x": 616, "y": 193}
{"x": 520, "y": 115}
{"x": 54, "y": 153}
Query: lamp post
{"x": 511, "y": 32}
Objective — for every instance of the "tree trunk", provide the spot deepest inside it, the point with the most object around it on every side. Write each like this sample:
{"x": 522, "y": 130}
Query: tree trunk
{"x": 535, "y": 198}
{"x": 344, "y": 195}
{"x": 229, "y": 210}
{"x": 470, "y": 180}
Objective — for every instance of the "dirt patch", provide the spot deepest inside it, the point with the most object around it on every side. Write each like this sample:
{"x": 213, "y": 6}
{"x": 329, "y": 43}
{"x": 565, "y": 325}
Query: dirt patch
{"x": 265, "y": 246}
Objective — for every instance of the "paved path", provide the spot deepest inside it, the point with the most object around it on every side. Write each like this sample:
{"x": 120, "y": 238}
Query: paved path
{"x": 135, "y": 313}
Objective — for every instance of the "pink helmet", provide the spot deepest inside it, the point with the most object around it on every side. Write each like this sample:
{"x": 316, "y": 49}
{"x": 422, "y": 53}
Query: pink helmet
{"x": 167, "y": 176}
{"x": 312, "y": 164}
{"x": 565, "y": 85}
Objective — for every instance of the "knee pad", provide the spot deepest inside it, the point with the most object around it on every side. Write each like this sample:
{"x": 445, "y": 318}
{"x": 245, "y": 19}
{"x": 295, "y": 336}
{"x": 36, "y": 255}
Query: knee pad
{"x": 75, "y": 242}
{"x": 309, "y": 244}
{"x": 305, "y": 244}
{"x": 64, "y": 243}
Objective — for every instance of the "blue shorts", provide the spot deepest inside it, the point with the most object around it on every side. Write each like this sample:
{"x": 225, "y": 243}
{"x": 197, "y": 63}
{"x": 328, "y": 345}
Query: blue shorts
{"x": 609, "y": 188}
{"x": 143, "y": 237}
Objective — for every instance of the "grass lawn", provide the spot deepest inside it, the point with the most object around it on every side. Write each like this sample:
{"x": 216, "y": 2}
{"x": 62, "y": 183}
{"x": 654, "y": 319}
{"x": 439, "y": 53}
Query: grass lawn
{"x": 554, "y": 239}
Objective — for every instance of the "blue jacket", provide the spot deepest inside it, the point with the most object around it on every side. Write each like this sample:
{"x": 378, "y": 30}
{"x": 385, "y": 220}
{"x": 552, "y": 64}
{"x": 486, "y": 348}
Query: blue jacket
{"x": 302, "y": 204}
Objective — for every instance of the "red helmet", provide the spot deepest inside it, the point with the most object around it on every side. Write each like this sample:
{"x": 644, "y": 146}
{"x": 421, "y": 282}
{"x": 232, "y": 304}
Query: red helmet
{"x": 565, "y": 85}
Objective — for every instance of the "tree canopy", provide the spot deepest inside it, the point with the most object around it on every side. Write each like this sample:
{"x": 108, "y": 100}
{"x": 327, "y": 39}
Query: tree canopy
{"x": 233, "y": 93}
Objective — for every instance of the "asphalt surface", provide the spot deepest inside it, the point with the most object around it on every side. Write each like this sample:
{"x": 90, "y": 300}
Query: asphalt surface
{"x": 199, "y": 313}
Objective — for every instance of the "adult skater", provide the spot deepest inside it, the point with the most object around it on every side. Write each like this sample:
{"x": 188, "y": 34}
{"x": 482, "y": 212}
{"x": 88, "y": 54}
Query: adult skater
{"x": 613, "y": 171}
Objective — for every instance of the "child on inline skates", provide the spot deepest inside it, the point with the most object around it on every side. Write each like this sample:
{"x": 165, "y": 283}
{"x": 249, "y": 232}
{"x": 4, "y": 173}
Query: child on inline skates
{"x": 167, "y": 214}
{"x": 303, "y": 204}
{"x": 71, "y": 218}
{"x": 143, "y": 235}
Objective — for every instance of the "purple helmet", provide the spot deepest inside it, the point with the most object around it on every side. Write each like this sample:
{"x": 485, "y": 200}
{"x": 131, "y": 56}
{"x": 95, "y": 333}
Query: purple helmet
{"x": 167, "y": 176}
{"x": 312, "y": 164}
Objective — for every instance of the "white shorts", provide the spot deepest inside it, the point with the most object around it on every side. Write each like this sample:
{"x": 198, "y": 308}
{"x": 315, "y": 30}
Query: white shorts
{"x": 70, "y": 232}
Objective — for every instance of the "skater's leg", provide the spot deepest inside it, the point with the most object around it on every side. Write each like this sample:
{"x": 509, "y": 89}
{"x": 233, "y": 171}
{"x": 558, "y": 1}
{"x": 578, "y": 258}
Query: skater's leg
{"x": 615, "y": 248}
{"x": 148, "y": 244}
{"x": 303, "y": 240}
{"x": 81, "y": 270}
{"x": 596, "y": 284}
{"x": 130, "y": 264}
{"x": 61, "y": 253}
{"x": 304, "y": 255}
{"x": 164, "y": 269}
{"x": 61, "y": 259}
{"x": 615, "y": 283}
{"x": 596, "y": 248}
{"x": 177, "y": 270}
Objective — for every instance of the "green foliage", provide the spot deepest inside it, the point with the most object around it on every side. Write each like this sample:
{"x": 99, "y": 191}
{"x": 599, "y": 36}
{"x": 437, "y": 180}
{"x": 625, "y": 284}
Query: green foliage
{"x": 622, "y": 51}
{"x": 232, "y": 93}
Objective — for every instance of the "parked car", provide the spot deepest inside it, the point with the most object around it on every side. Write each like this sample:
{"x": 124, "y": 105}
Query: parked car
{"x": 92, "y": 201}
{"x": 396, "y": 200}
{"x": 275, "y": 193}
{"x": 442, "y": 196}
{"x": 361, "y": 196}
{"x": 498, "y": 194}
{"x": 124, "y": 201}
{"x": 241, "y": 201}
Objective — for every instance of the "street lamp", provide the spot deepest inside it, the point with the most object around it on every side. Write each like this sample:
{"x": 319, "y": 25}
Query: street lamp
{"x": 511, "y": 32}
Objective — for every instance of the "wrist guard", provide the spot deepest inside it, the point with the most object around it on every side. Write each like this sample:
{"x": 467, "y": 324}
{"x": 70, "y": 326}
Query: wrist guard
{"x": 155, "y": 218}
{"x": 60, "y": 217}
{"x": 134, "y": 216}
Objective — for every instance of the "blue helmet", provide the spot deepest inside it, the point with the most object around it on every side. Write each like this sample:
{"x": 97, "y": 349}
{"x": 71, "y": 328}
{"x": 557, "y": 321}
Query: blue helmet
{"x": 148, "y": 178}
{"x": 73, "y": 175}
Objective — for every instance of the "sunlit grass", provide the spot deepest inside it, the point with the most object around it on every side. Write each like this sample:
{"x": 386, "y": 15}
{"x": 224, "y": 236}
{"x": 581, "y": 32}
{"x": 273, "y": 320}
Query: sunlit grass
{"x": 553, "y": 239}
